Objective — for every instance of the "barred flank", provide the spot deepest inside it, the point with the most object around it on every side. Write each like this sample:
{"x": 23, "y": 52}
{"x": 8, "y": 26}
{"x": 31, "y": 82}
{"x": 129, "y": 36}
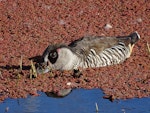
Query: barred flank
{"x": 109, "y": 56}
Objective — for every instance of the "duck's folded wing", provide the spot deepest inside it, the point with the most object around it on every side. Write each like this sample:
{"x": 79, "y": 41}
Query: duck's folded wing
{"x": 83, "y": 46}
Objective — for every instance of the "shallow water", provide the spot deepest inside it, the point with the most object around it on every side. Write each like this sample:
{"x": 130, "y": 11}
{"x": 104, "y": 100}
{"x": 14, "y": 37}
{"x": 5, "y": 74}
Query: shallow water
{"x": 78, "y": 101}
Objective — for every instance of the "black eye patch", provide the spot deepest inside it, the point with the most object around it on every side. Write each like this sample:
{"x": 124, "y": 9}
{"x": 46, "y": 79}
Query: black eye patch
{"x": 53, "y": 55}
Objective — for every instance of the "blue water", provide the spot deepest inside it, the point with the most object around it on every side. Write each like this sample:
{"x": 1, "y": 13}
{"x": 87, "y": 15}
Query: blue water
{"x": 78, "y": 101}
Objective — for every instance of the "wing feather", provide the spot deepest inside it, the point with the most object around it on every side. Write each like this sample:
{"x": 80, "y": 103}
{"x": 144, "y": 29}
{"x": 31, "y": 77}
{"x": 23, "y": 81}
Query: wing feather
{"x": 83, "y": 45}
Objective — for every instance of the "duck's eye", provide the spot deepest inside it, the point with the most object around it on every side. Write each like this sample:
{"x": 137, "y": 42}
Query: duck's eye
{"x": 53, "y": 54}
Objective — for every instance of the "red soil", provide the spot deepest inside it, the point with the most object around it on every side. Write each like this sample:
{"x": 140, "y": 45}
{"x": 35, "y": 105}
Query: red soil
{"x": 28, "y": 27}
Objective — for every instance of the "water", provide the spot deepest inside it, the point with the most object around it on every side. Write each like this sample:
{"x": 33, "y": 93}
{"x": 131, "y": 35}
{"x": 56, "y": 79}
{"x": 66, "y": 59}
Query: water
{"x": 79, "y": 101}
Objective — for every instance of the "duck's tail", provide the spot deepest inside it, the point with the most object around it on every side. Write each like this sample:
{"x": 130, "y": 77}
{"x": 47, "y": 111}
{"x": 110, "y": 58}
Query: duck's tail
{"x": 134, "y": 37}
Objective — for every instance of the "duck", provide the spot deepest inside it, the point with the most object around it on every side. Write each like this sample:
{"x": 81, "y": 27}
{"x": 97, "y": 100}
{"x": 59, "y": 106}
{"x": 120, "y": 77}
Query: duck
{"x": 88, "y": 52}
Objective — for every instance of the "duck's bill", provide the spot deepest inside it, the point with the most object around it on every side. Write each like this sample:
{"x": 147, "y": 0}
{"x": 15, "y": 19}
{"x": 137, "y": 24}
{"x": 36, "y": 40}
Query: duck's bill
{"x": 43, "y": 68}
{"x": 42, "y": 71}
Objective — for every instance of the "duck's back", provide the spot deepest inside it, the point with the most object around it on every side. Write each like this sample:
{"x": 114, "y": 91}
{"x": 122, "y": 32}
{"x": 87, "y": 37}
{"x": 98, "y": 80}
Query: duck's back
{"x": 101, "y": 51}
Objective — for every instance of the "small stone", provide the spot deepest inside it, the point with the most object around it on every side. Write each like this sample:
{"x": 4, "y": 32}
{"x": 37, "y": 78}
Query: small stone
{"x": 139, "y": 20}
{"x": 62, "y": 22}
{"x": 69, "y": 83}
{"x": 107, "y": 27}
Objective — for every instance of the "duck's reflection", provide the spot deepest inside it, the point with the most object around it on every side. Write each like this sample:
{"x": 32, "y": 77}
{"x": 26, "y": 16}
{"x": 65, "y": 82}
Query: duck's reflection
{"x": 32, "y": 104}
{"x": 59, "y": 94}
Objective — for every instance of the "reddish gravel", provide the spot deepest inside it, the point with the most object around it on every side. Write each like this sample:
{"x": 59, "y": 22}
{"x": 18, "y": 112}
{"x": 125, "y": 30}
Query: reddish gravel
{"x": 28, "y": 27}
